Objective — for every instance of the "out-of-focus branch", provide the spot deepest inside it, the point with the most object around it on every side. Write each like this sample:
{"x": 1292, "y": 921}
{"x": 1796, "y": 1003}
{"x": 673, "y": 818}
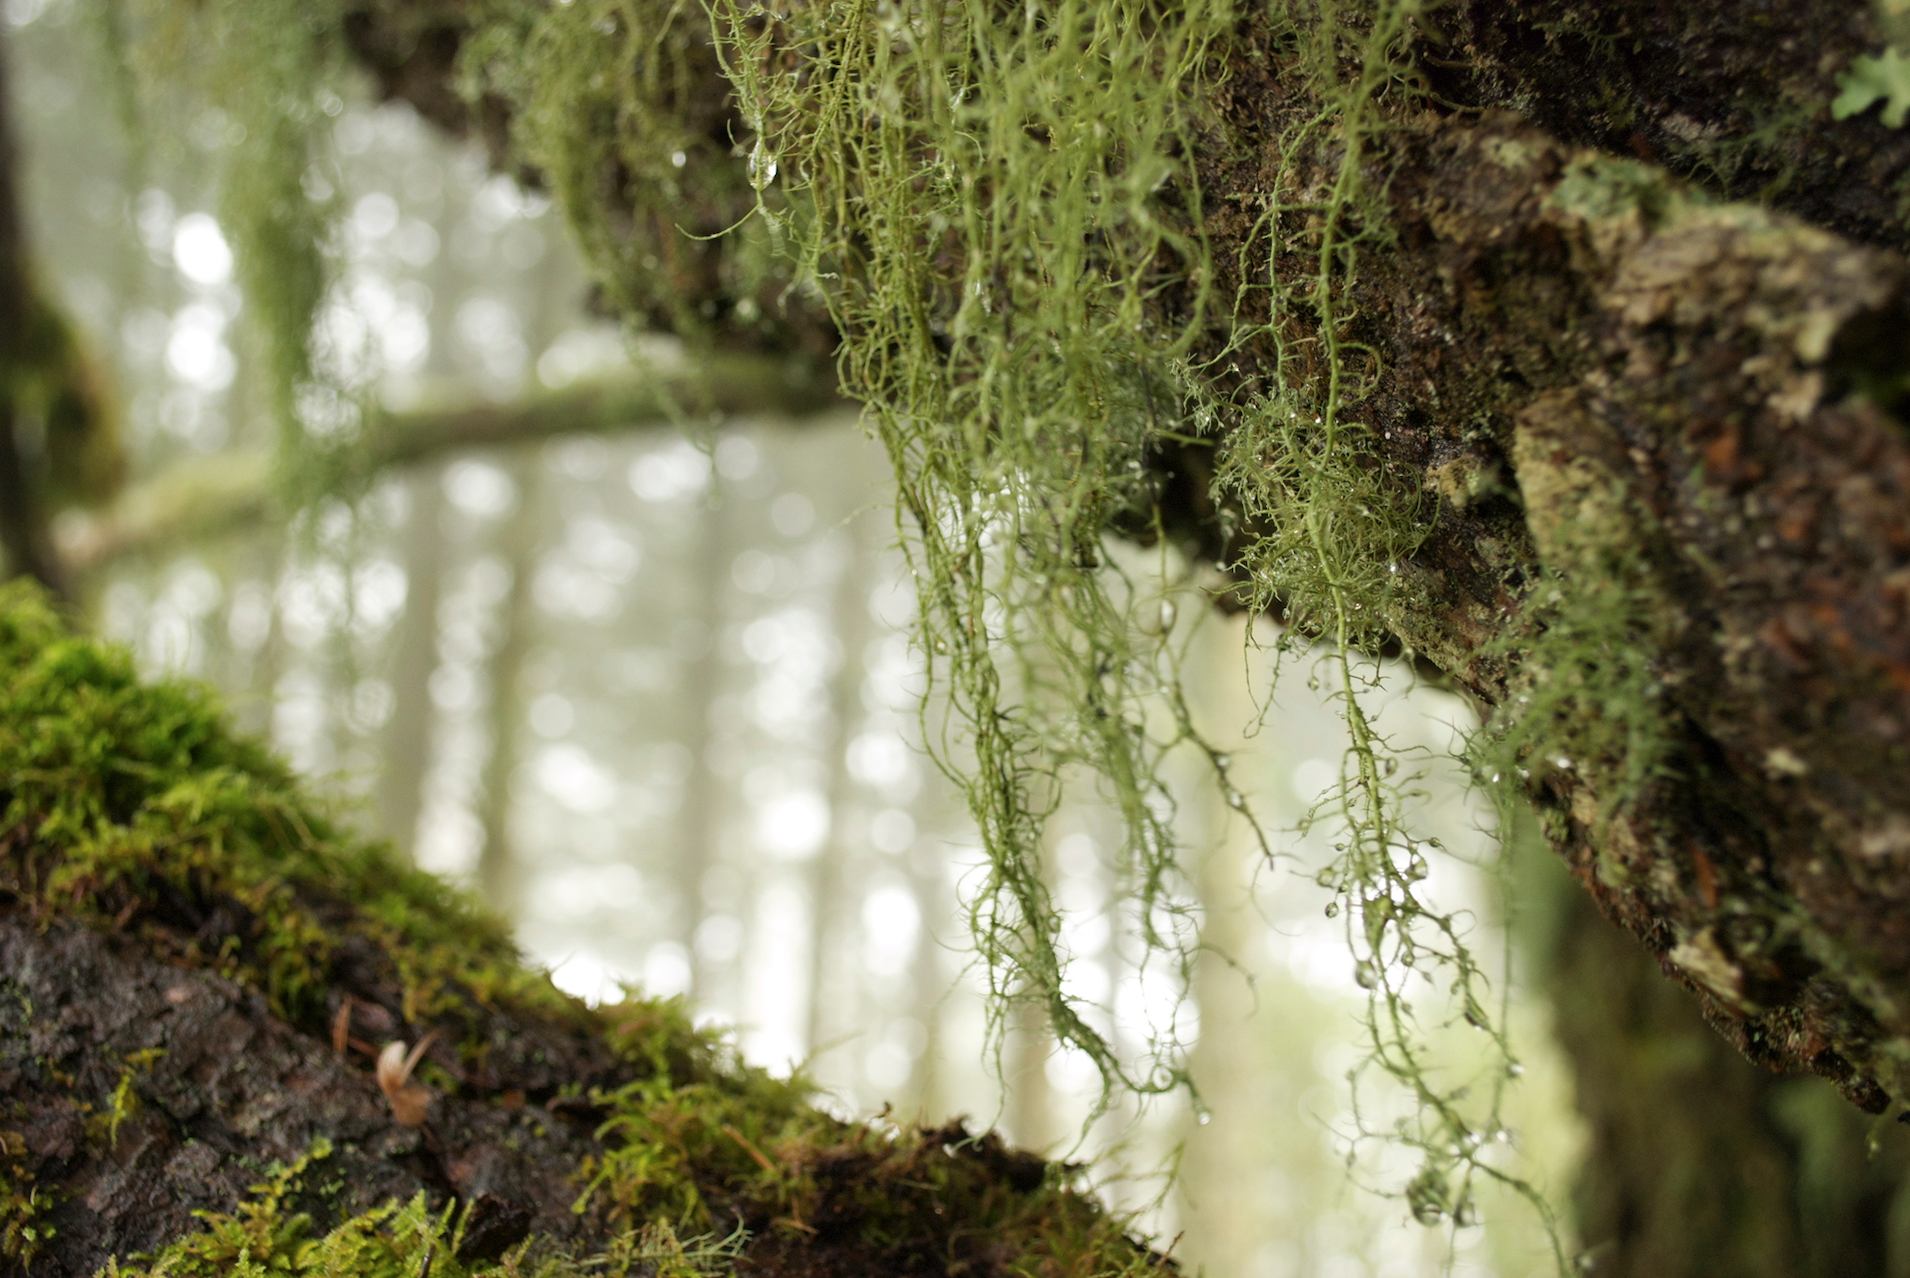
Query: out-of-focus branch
{"x": 229, "y": 491}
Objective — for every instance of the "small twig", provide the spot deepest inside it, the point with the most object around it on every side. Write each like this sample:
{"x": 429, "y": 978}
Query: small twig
{"x": 762, "y": 1159}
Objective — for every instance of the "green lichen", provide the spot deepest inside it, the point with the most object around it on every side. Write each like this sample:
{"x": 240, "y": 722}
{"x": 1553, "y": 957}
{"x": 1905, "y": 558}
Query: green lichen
{"x": 987, "y": 200}
{"x": 264, "y": 68}
{"x": 618, "y": 105}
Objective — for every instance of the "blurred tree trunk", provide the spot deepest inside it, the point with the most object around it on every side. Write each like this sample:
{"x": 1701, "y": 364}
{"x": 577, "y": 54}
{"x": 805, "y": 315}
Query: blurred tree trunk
{"x": 1701, "y": 1163}
{"x": 695, "y": 639}
{"x": 498, "y": 872}
{"x": 407, "y": 743}
{"x": 24, "y": 536}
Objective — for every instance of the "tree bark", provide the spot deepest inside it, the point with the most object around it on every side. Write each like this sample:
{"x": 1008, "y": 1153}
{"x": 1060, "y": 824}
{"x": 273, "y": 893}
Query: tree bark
{"x": 1700, "y": 1162}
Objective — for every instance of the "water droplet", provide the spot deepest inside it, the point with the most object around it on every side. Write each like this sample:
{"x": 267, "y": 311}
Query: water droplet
{"x": 1332, "y": 909}
{"x": 1168, "y": 613}
{"x": 1235, "y": 799}
{"x": 1366, "y": 975}
{"x": 1206, "y": 1118}
{"x": 1515, "y": 1070}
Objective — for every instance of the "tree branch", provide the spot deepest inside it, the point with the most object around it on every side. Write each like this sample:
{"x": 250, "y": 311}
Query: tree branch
{"x": 226, "y": 492}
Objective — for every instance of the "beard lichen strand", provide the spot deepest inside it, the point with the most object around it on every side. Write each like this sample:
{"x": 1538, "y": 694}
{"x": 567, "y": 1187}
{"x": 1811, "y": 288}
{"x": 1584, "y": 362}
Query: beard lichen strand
{"x": 1331, "y": 531}
{"x": 979, "y": 196}
{"x": 264, "y": 69}
{"x": 940, "y": 206}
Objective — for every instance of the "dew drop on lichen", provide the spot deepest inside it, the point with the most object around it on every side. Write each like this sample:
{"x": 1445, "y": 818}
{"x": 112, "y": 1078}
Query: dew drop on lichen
{"x": 1366, "y": 974}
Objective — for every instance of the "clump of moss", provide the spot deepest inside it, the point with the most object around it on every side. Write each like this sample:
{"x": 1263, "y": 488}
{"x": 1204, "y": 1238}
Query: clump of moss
{"x": 121, "y": 799}
{"x": 22, "y": 1203}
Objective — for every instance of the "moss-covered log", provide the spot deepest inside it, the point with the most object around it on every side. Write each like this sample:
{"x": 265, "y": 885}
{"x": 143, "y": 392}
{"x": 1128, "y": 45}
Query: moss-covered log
{"x": 227, "y": 1028}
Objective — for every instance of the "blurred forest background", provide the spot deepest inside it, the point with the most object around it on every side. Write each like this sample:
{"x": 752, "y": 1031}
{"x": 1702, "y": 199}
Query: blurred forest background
{"x": 646, "y": 686}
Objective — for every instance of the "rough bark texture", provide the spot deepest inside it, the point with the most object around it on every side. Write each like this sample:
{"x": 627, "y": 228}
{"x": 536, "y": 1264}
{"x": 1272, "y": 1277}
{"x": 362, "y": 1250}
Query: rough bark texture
{"x": 1675, "y": 383}
{"x": 235, "y": 1089}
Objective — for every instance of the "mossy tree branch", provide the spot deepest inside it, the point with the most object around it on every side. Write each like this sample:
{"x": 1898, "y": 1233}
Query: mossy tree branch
{"x": 1643, "y": 443}
{"x": 226, "y": 492}
{"x": 200, "y": 969}
{"x": 1579, "y": 371}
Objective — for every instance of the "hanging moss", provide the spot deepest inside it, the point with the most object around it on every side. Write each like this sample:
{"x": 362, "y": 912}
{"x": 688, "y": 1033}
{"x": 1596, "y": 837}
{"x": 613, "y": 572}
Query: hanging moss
{"x": 1078, "y": 253}
{"x": 1001, "y": 215}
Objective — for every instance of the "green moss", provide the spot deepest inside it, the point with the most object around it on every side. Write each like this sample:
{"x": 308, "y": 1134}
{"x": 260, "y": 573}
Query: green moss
{"x": 268, "y": 1235}
{"x": 123, "y": 1105}
{"x": 122, "y": 792}
{"x": 22, "y": 1203}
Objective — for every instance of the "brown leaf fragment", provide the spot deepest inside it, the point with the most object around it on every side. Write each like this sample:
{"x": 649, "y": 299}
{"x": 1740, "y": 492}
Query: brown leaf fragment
{"x": 409, "y": 1100}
